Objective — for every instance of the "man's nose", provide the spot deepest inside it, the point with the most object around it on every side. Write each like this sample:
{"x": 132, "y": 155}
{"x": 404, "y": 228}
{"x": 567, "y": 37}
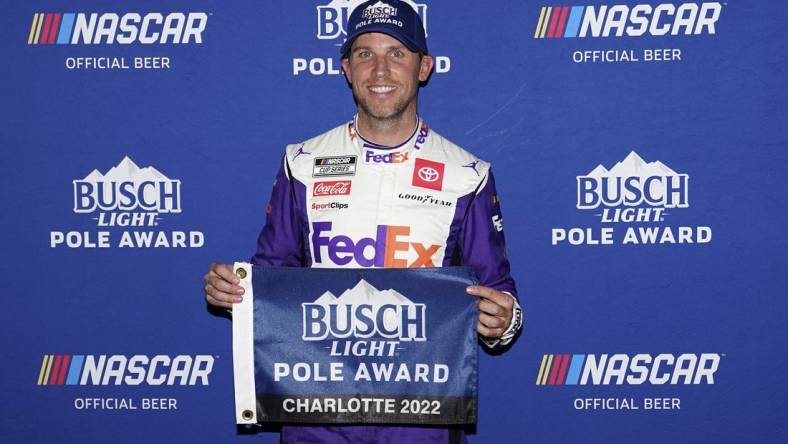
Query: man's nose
{"x": 381, "y": 66}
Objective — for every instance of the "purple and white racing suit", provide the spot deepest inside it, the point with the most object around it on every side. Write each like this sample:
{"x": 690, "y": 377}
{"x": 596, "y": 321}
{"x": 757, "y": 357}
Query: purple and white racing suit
{"x": 342, "y": 201}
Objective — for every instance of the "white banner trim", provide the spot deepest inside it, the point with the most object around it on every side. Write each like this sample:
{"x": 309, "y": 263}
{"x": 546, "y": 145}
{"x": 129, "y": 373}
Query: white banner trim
{"x": 243, "y": 349}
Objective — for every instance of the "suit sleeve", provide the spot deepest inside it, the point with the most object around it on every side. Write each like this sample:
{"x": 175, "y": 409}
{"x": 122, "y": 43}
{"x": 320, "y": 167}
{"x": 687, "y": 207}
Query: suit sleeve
{"x": 483, "y": 248}
{"x": 482, "y": 242}
{"x": 281, "y": 243}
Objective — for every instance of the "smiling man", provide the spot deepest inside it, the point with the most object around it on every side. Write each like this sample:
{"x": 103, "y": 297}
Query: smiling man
{"x": 383, "y": 190}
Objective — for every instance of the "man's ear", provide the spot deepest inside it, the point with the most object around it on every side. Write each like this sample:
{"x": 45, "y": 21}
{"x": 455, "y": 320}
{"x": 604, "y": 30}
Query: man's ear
{"x": 427, "y": 63}
{"x": 346, "y": 69}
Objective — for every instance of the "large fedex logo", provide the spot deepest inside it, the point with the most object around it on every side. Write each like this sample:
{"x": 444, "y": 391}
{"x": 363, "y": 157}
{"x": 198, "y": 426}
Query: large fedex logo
{"x": 380, "y": 251}
{"x": 364, "y": 312}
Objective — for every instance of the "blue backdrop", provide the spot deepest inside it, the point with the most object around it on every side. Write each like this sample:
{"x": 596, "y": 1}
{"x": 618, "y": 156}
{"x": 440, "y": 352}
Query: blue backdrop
{"x": 212, "y": 114}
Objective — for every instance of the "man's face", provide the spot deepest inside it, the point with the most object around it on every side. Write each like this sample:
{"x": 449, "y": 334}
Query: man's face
{"x": 385, "y": 75}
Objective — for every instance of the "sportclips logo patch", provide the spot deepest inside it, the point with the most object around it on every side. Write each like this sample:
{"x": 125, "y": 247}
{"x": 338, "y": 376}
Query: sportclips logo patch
{"x": 638, "y": 194}
{"x": 130, "y": 198}
{"x": 122, "y": 370}
{"x": 628, "y": 370}
{"x": 131, "y": 28}
{"x": 641, "y": 20}
{"x": 331, "y": 21}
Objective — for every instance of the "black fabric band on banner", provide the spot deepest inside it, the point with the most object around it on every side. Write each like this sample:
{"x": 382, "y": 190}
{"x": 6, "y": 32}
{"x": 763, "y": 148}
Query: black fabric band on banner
{"x": 329, "y": 409}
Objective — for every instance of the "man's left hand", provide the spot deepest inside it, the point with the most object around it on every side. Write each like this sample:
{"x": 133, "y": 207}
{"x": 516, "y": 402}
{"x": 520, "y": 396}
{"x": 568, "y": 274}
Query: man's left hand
{"x": 495, "y": 310}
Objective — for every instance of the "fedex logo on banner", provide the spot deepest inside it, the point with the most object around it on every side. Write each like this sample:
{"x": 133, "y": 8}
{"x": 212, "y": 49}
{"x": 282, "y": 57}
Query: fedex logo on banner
{"x": 380, "y": 251}
{"x": 125, "y": 370}
{"x": 618, "y": 369}
{"x": 364, "y": 312}
{"x": 331, "y": 18}
{"x": 428, "y": 174}
{"x": 110, "y": 28}
{"x": 634, "y": 21}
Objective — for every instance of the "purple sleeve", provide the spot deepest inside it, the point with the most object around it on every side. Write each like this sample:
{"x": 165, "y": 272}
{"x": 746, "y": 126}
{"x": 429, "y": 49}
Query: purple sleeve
{"x": 482, "y": 243}
{"x": 280, "y": 243}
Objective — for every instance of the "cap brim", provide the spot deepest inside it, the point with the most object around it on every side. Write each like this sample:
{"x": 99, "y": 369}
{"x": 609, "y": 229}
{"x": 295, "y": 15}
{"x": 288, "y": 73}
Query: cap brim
{"x": 384, "y": 30}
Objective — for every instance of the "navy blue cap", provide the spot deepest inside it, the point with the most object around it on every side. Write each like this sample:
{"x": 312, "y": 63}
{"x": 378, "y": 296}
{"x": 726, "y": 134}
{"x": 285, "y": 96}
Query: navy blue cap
{"x": 393, "y": 17}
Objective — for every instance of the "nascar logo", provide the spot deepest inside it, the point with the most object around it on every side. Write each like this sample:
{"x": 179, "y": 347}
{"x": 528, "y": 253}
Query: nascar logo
{"x": 120, "y": 369}
{"x": 108, "y": 28}
{"x": 582, "y": 369}
{"x": 634, "y": 21}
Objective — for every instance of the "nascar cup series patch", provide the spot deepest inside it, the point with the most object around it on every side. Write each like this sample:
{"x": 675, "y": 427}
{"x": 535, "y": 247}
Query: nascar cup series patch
{"x": 355, "y": 346}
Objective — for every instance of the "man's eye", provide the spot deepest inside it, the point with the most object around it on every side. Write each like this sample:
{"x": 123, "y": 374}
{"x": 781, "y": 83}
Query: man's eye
{"x": 397, "y": 53}
{"x": 364, "y": 54}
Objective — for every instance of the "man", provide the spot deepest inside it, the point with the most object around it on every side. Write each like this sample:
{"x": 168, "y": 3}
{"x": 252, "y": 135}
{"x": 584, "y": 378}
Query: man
{"x": 385, "y": 191}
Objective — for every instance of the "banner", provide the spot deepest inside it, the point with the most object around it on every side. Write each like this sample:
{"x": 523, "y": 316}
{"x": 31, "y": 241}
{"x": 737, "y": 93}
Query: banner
{"x": 355, "y": 346}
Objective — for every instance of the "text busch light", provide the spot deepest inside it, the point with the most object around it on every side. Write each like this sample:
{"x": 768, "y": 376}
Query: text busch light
{"x": 405, "y": 322}
{"x": 611, "y": 191}
{"x": 159, "y": 196}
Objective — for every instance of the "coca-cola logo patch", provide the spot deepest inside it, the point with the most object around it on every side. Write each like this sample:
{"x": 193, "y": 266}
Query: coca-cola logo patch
{"x": 331, "y": 188}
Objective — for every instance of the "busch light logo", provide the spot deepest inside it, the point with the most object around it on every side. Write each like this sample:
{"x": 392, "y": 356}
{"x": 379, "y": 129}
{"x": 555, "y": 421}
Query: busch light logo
{"x": 331, "y": 18}
{"x": 633, "y": 191}
{"x": 331, "y": 21}
{"x": 633, "y": 182}
{"x": 379, "y": 10}
{"x": 127, "y": 187}
{"x": 364, "y": 312}
{"x": 127, "y": 196}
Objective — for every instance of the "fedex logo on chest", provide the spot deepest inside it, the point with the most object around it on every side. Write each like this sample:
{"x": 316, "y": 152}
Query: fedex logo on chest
{"x": 372, "y": 157}
{"x": 384, "y": 250}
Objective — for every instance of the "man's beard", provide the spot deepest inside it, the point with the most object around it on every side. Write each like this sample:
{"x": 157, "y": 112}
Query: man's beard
{"x": 383, "y": 112}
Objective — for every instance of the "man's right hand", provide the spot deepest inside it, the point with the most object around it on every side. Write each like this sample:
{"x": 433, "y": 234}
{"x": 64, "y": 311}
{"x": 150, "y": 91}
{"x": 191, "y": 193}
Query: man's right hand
{"x": 221, "y": 286}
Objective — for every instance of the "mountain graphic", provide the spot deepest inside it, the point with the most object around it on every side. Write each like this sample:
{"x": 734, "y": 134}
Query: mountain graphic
{"x": 633, "y": 165}
{"x": 127, "y": 170}
{"x": 364, "y": 293}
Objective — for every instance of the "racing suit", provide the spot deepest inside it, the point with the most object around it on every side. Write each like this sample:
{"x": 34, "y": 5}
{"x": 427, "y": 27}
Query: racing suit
{"x": 342, "y": 201}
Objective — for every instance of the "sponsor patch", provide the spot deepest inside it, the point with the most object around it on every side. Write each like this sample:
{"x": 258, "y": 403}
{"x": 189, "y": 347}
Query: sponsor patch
{"x": 331, "y": 188}
{"x": 328, "y": 206}
{"x": 428, "y": 174}
{"x": 334, "y": 166}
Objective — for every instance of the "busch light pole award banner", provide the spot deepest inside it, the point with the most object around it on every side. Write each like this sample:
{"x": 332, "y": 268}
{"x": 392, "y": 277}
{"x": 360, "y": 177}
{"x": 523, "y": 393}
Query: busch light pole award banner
{"x": 355, "y": 346}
